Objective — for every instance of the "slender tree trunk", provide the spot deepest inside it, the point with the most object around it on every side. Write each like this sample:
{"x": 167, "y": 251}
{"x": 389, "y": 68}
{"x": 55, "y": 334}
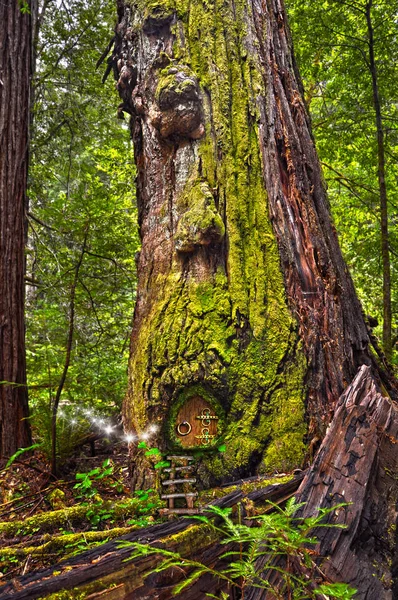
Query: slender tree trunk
{"x": 381, "y": 173}
{"x": 15, "y": 73}
{"x": 68, "y": 354}
{"x": 244, "y": 303}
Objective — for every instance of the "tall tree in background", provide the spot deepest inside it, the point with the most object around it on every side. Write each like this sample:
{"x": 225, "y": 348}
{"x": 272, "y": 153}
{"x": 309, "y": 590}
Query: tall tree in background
{"x": 81, "y": 280}
{"x": 15, "y": 82}
{"x": 244, "y": 305}
{"x": 347, "y": 54}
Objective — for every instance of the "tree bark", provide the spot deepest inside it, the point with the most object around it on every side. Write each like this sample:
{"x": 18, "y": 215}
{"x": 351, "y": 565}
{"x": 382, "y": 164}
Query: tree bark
{"x": 356, "y": 464}
{"x": 243, "y": 300}
{"x": 15, "y": 73}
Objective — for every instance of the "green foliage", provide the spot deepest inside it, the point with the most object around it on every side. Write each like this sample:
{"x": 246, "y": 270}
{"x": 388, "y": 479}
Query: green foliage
{"x": 278, "y": 538}
{"x": 331, "y": 45}
{"x": 81, "y": 183}
{"x": 148, "y": 503}
{"x": 24, "y": 7}
{"x": 19, "y": 453}
{"x": 85, "y": 488}
{"x": 71, "y": 430}
{"x": 336, "y": 590}
{"x": 156, "y": 453}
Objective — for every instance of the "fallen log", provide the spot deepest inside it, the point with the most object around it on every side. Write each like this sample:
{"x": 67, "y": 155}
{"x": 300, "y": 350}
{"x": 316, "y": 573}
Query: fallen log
{"x": 94, "y": 573}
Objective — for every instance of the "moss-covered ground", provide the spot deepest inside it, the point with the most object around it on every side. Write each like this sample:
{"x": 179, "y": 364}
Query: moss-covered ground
{"x": 43, "y": 519}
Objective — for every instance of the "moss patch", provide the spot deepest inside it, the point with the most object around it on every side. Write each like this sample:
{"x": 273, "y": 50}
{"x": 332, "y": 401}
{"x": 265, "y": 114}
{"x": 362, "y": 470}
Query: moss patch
{"x": 52, "y": 520}
{"x": 200, "y": 223}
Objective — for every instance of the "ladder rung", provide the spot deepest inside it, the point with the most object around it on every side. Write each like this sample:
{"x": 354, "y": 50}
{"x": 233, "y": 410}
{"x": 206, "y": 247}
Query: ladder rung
{"x": 166, "y": 496}
{"x": 180, "y": 458}
{"x": 173, "y": 481}
{"x": 186, "y": 468}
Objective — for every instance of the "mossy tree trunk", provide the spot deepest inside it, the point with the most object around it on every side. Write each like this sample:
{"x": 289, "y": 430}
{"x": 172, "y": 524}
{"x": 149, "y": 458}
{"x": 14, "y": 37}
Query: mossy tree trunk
{"x": 243, "y": 297}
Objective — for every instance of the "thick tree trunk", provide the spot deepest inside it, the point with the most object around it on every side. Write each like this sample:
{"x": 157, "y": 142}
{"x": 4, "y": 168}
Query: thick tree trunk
{"x": 244, "y": 302}
{"x": 356, "y": 464}
{"x": 15, "y": 72}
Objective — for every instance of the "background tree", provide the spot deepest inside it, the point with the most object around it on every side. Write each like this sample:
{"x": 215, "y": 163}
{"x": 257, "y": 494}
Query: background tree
{"x": 243, "y": 297}
{"x": 82, "y": 226}
{"x": 347, "y": 55}
{"x": 15, "y": 87}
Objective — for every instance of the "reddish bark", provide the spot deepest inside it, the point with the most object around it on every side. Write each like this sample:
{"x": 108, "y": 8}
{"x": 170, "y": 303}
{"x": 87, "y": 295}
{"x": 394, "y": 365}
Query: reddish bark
{"x": 319, "y": 286}
{"x": 15, "y": 72}
{"x": 356, "y": 464}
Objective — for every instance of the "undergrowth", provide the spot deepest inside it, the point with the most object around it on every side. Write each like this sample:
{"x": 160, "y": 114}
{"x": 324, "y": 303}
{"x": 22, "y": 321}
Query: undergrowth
{"x": 274, "y": 553}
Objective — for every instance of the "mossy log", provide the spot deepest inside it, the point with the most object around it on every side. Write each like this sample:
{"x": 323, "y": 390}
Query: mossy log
{"x": 95, "y": 573}
{"x": 70, "y": 516}
{"x": 243, "y": 296}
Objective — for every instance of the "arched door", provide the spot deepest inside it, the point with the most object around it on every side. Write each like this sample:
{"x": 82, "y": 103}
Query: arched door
{"x": 196, "y": 424}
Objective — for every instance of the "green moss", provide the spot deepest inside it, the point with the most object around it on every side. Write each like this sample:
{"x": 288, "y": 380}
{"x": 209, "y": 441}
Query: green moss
{"x": 209, "y": 496}
{"x": 191, "y": 539}
{"x": 73, "y": 594}
{"x": 65, "y": 543}
{"x": 170, "y": 79}
{"x": 230, "y": 330}
{"x": 51, "y": 520}
{"x": 160, "y": 9}
{"x": 200, "y": 223}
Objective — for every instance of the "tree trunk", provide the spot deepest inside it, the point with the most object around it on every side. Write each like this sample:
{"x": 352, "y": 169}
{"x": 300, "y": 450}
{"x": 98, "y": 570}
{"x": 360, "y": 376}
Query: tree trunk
{"x": 356, "y": 464}
{"x": 244, "y": 303}
{"x": 15, "y": 72}
{"x": 381, "y": 175}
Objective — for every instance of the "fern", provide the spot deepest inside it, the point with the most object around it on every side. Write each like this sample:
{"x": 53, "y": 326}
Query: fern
{"x": 277, "y": 538}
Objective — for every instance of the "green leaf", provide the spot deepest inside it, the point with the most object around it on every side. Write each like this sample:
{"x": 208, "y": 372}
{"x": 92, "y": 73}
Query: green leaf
{"x": 153, "y": 452}
{"x": 19, "y": 453}
{"x": 163, "y": 464}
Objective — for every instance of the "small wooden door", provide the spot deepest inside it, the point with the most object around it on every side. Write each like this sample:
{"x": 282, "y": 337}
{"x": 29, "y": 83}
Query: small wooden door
{"x": 196, "y": 424}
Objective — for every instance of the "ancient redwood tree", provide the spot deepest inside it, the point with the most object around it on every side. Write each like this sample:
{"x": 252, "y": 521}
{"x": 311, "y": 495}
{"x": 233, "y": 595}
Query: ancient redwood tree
{"x": 15, "y": 73}
{"x": 244, "y": 302}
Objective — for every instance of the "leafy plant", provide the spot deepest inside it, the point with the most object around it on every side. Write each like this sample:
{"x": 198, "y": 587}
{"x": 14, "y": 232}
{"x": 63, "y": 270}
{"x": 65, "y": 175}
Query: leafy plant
{"x": 278, "y": 544}
{"x": 148, "y": 502}
{"x": 155, "y": 453}
{"x": 336, "y": 590}
{"x": 19, "y": 452}
{"x": 85, "y": 486}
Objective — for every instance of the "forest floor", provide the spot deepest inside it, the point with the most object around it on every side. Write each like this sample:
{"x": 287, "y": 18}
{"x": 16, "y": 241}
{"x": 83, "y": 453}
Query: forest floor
{"x": 45, "y": 519}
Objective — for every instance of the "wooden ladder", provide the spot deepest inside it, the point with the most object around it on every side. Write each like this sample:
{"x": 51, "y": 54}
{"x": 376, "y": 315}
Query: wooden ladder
{"x": 180, "y": 476}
